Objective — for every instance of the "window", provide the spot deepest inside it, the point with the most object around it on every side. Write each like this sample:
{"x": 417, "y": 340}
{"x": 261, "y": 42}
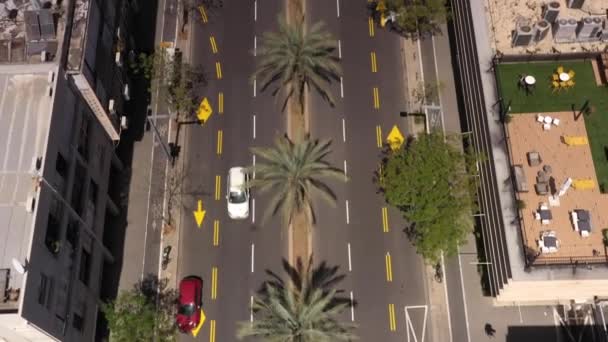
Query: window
{"x": 83, "y": 136}
{"x": 78, "y": 322}
{"x": 77, "y": 189}
{"x": 61, "y": 165}
{"x": 85, "y": 267}
{"x": 52, "y": 238}
{"x": 42, "y": 288}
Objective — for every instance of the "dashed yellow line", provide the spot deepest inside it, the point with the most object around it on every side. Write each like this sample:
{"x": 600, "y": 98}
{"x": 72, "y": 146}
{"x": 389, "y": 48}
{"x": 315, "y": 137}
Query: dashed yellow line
{"x": 218, "y": 189}
{"x": 376, "y": 98}
{"x": 374, "y": 64}
{"x": 389, "y": 267}
{"x": 203, "y": 13}
{"x": 220, "y": 138}
{"x": 371, "y": 27}
{"x": 379, "y": 136}
{"x": 216, "y": 233}
{"x": 220, "y": 103}
{"x": 392, "y": 321}
{"x": 213, "y": 44}
{"x": 385, "y": 227}
{"x": 218, "y": 70}
{"x": 212, "y": 331}
{"x": 214, "y": 283}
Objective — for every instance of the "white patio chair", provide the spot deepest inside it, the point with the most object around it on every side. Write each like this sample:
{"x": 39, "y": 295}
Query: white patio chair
{"x": 546, "y": 126}
{"x": 556, "y": 121}
{"x": 540, "y": 118}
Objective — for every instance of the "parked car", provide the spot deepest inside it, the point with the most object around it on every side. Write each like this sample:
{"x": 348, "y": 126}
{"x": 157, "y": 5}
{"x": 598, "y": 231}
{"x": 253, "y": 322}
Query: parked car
{"x": 237, "y": 194}
{"x": 189, "y": 303}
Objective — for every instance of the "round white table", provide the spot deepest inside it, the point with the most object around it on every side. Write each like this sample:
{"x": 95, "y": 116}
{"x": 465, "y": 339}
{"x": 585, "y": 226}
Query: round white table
{"x": 564, "y": 77}
{"x": 530, "y": 80}
{"x": 548, "y": 119}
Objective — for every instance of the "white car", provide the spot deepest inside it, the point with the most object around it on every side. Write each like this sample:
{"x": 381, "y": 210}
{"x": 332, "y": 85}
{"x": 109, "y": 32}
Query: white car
{"x": 237, "y": 194}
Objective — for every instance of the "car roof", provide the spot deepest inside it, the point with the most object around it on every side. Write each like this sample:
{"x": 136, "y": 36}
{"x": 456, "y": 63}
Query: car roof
{"x": 187, "y": 289}
{"x": 237, "y": 178}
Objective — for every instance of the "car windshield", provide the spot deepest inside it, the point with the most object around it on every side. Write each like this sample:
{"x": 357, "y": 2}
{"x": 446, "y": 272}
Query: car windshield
{"x": 237, "y": 197}
{"x": 186, "y": 310}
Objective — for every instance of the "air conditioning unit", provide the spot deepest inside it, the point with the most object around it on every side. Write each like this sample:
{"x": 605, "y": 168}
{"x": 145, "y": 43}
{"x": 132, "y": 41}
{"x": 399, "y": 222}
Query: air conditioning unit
{"x": 551, "y": 11}
{"x": 124, "y": 122}
{"x": 30, "y": 202}
{"x": 111, "y": 106}
{"x": 118, "y": 59}
{"x": 522, "y": 36}
{"x": 564, "y": 30}
{"x": 126, "y": 93}
{"x": 589, "y": 27}
{"x": 578, "y": 4}
{"x": 542, "y": 29}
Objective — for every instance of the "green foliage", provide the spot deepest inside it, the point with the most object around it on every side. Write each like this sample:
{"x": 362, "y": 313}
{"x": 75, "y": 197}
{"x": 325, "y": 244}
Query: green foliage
{"x": 178, "y": 83}
{"x": 293, "y": 172}
{"x": 135, "y": 315}
{"x": 521, "y": 204}
{"x": 417, "y": 17}
{"x": 428, "y": 181}
{"x": 293, "y": 60}
{"x": 305, "y": 310}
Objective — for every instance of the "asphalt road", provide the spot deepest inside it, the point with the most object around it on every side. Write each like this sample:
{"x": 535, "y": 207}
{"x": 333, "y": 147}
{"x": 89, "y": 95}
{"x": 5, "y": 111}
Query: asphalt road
{"x": 362, "y": 234}
{"x": 242, "y": 250}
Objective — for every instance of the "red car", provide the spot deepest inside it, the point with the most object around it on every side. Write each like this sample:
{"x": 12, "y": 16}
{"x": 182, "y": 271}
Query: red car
{"x": 190, "y": 303}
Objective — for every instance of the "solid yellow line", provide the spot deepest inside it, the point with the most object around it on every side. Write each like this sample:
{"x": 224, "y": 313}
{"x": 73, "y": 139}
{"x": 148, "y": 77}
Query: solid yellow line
{"x": 213, "y": 44}
{"x": 220, "y": 101}
{"x": 216, "y": 232}
{"x": 371, "y": 27}
{"x": 376, "y": 98}
{"x": 220, "y": 138}
{"x": 385, "y": 219}
{"x": 212, "y": 331}
{"x": 218, "y": 180}
{"x": 378, "y": 136}
{"x": 391, "y": 315}
{"x": 389, "y": 267}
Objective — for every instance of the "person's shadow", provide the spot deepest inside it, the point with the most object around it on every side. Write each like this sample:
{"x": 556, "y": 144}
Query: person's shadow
{"x": 490, "y": 331}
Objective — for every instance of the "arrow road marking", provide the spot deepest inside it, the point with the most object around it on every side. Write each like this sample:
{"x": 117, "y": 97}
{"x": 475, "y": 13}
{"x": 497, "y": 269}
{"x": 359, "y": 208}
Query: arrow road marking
{"x": 199, "y": 214}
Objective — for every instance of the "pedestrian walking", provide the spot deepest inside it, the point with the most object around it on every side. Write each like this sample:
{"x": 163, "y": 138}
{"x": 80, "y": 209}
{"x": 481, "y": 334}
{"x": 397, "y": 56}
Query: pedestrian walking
{"x": 490, "y": 331}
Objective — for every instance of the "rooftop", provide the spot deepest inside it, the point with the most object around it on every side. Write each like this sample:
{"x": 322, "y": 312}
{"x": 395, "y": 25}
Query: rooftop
{"x": 25, "y": 111}
{"x": 505, "y": 15}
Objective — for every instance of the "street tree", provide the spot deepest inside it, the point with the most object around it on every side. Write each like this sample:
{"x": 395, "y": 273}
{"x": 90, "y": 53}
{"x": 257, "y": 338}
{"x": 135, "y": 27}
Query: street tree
{"x": 293, "y": 172}
{"x": 294, "y": 59}
{"x": 306, "y": 308}
{"x": 143, "y": 313}
{"x": 428, "y": 180}
{"x": 177, "y": 83}
{"x": 418, "y": 17}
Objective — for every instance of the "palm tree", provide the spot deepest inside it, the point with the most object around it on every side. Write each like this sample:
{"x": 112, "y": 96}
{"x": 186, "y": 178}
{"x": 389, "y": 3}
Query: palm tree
{"x": 304, "y": 310}
{"x": 293, "y": 172}
{"x": 294, "y": 60}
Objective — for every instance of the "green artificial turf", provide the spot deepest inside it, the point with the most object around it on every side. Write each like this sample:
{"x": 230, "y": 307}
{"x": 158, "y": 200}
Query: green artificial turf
{"x": 544, "y": 99}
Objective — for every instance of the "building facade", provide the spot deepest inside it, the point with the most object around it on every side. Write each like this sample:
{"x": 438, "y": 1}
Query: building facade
{"x": 64, "y": 90}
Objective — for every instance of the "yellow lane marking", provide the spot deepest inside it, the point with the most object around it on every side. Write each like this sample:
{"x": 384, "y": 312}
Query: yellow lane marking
{"x": 203, "y": 13}
{"x": 216, "y": 233}
{"x": 376, "y": 98}
{"x": 220, "y": 103}
{"x": 378, "y": 136}
{"x": 374, "y": 65}
{"x": 385, "y": 227}
{"x": 213, "y": 44}
{"x": 371, "y": 26}
{"x": 212, "y": 331}
{"x": 218, "y": 70}
{"x": 214, "y": 283}
{"x": 391, "y": 317}
{"x": 220, "y": 138}
{"x": 389, "y": 267}
{"x": 218, "y": 190}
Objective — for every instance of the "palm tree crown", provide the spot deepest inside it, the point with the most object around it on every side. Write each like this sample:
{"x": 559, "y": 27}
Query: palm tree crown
{"x": 305, "y": 310}
{"x": 296, "y": 59}
{"x": 293, "y": 172}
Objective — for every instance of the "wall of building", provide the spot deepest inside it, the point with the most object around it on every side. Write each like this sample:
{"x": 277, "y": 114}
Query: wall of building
{"x": 13, "y": 328}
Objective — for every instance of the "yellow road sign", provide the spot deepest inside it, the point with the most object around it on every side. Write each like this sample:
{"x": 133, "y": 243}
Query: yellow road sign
{"x": 204, "y": 110}
{"x": 395, "y": 139}
{"x": 381, "y": 7}
{"x": 200, "y": 324}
